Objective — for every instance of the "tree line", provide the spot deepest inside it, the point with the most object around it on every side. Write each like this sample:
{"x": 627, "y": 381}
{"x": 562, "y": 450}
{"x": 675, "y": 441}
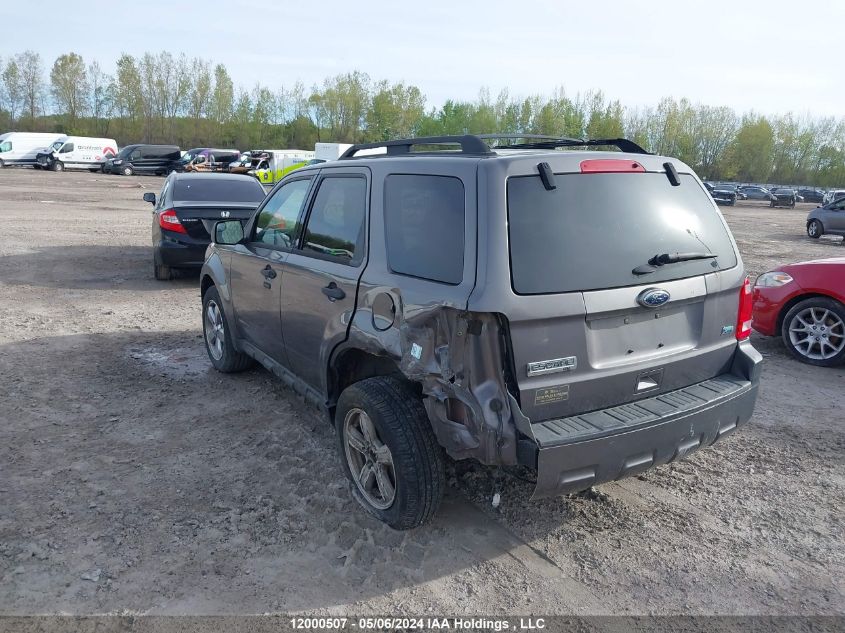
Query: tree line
{"x": 161, "y": 97}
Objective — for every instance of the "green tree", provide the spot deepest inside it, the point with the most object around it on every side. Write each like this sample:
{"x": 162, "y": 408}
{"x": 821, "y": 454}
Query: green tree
{"x": 69, "y": 85}
{"x": 13, "y": 90}
{"x": 751, "y": 152}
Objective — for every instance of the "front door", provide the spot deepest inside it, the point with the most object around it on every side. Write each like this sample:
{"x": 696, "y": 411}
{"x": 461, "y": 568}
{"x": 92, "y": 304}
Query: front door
{"x": 833, "y": 217}
{"x": 258, "y": 266}
{"x": 322, "y": 272}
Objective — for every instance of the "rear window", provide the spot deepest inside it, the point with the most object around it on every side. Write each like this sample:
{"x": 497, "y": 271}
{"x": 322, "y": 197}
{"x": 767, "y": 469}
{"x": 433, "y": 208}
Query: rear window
{"x": 424, "y": 223}
{"x": 594, "y": 229}
{"x": 218, "y": 190}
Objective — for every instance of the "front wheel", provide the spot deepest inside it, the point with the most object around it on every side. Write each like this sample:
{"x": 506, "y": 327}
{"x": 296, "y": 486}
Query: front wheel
{"x": 218, "y": 337}
{"x": 815, "y": 229}
{"x": 814, "y": 331}
{"x": 389, "y": 451}
{"x": 127, "y": 171}
{"x": 58, "y": 166}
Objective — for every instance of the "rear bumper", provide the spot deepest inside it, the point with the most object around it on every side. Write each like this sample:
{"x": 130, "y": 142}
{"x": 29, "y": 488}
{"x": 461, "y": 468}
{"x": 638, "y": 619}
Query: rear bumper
{"x": 581, "y": 451}
{"x": 179, "y": 255}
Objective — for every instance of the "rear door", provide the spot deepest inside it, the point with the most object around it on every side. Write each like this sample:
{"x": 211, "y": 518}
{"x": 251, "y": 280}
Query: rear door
{"x": 587, "y": 331}
{"x": 322, "y": 272}
{"x": 257, "y": 267}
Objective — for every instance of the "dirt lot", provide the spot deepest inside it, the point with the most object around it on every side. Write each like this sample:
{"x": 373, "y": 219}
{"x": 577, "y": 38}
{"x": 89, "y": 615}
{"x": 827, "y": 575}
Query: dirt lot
{"x": 135, "y": 479}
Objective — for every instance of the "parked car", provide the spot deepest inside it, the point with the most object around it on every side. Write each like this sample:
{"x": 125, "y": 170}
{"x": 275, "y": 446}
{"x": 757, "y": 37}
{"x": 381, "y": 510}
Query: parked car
{"x": 828, "y": 219}
{"x": 144, "y": 159}
{"x": 811, "y": 195}
{"x": 21, "y": 148}
{"x": 783, "y": 197}
{"x": 277, "y": 163}
{"x": 804, "y": 303}
{"x": 185, "y": 210}
{"x": 721, "y": 194}
{"x": 77, "y": 152}
{"x": 832, "y": 196}
{"x": 753, "y": 192}
{"x": 207, "y": 159}
{"x": 376, "y": 287}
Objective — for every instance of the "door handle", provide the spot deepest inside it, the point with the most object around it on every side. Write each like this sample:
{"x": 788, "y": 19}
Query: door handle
{"x": 268, "y": 272}
{"x": 333, "y": 292}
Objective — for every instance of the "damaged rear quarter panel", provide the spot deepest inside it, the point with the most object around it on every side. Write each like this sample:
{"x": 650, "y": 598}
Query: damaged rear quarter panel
{"x": 424, "y": 328}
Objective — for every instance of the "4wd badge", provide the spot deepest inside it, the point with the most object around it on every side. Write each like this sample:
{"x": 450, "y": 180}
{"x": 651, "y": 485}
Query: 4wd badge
{"x": 552, "y": 366}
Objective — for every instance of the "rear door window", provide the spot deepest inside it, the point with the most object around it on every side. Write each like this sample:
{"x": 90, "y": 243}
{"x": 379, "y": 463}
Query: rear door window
{"x": 424, "y": 220}
{"x": 594, "y": 229}
{"x": 335, "y": 226}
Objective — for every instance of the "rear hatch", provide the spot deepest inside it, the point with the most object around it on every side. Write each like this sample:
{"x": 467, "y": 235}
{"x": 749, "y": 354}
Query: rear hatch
{"x": 590, "y": 332}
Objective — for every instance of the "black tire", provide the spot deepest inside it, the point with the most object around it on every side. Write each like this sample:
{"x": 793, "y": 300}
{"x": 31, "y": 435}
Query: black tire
{"x": 401, "y": 423}
{"x": 162, "y": 272}
{"x": 127, "y": 171}
{"x": 834, "y": 336}
{"x": 230, "y": 360}
{"x": 815, "y": 229}
{"x": 94, "y": 170}
{"x": 2, "y": 164}
{"x": 57, "y": 165}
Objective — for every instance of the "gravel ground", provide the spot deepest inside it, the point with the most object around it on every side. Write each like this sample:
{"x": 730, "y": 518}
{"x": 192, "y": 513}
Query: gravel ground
{"x": 136, "y": 480}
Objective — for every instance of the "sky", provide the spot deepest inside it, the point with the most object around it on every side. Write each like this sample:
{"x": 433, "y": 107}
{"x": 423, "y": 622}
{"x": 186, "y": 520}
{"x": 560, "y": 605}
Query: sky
{"x": 770, "y": 56}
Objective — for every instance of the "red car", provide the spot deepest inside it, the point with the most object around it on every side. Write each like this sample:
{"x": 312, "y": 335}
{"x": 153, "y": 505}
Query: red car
{"x": 805, "y": 304}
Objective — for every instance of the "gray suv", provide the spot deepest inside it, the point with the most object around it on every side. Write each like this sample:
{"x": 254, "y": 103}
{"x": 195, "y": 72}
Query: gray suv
{"x": 582, "y": 314}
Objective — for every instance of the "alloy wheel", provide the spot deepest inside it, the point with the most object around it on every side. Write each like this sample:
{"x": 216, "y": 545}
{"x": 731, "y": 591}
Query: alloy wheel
{"x": 215, "y": 333}
{"x": 817, "y": 333}
{"x": 369, "y": 459}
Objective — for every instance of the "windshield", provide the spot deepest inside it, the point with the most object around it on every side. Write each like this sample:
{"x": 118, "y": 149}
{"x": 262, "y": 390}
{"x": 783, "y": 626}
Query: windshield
{"x": 218, "y": 190}
{"x": 57, "y": 146}
{"x": 126, "y": 151}
{"x": 190, "y": 155}
{"x": 593, "y": 230}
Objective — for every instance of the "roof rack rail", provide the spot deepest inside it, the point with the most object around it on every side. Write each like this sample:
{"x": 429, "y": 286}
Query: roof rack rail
{"x": 533, "y": 137}
{"x": 476, "y": 144}
{"x": 470, "y": 145}
{"x": 622, "y": 144}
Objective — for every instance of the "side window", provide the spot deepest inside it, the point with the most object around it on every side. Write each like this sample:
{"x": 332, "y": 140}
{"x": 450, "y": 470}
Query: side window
{"x": 135, "y": 155}
{"x": 424, "y": 226}
{"x": 277, "y": 224}
{"x": 163, "y": 195}
{"x": 68, "y": 147}
{"x": 6, "y": 146}
{"x": 336, "y": 222}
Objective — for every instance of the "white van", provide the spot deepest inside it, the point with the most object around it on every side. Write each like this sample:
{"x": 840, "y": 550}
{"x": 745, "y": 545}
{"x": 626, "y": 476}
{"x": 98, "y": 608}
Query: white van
{"x": 21, "y": 148}
{"x": 77, "y": 152}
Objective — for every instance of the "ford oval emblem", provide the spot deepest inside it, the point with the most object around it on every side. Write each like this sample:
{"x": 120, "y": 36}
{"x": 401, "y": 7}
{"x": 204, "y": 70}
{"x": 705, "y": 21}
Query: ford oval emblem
{"x": 652, "y": 297}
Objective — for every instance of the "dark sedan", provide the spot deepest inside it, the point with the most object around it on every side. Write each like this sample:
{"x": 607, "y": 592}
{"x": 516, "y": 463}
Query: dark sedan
{"x": 812, "y": 195}
{"x": 187, "y": 208}
{"x": 754, "y": 192}
{"x": 721, "y": 195}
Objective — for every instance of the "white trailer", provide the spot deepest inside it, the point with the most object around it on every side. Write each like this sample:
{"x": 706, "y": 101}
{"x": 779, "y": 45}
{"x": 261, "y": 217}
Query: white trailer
{"x": 77, "y": 152}
{"x": 21, "y": 148}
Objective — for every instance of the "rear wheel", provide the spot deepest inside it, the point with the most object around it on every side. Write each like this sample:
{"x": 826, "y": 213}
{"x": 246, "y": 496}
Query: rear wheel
{"x": 218, "y": 338}
{"x": 127, "y": 171}
{"x": 2, "y": 164}
{"x": 814, "y": 331}
{"x": 162, "y": 272}
{"x": 815, "y": 229}
{"x": 389, "y": 451}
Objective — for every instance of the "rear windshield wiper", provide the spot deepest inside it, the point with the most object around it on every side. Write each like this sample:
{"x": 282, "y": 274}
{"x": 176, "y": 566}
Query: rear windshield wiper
{"x": 669, "y": 258}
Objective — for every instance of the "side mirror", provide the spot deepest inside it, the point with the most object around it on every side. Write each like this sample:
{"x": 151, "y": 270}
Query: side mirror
{"x": 228, "y": 232}
{"x": 150, "y": 197}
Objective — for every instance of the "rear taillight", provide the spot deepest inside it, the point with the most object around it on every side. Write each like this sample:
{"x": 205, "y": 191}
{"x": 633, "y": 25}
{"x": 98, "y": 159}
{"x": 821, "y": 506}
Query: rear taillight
{"x": 743, "y": 319}
{"x": 169, "y": 222}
